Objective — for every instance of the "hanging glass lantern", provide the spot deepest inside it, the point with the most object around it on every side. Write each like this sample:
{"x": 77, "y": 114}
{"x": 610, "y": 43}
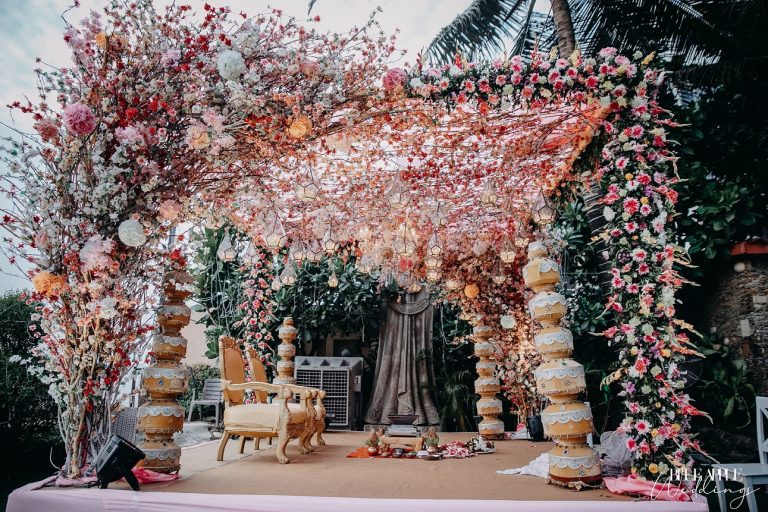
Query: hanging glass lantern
{"x": 330, "y": 243}
{"x": 274, "y": 234}
{"x": 251, "y": 255}
{"x": 521, "y": 235}
{"x": 432, "y": 262}
{"x": 490, "y": 196}
{"x": 276, "y": 284}
{"x": 288, "y": 275}
{"x": 542, "y": 212}
{"x": 453, "y": 284}
{"x": 364, "y": 264}
{"x": 434, "y": 246}
{"x": 507, "y": 252}
{"x": 313, "y": 252}
{"x": 398, "y": 194}
{"x": 498, "y": 276}
{"x": 333, "y": 281}
{"x": 404, "y": 243}
{"x": 226, "y": 251}
{"x": 297, "y": 252}
{"x": 364, "y": 234}
{"x": 433, "y": 275}
{"x": 308, "y": 190}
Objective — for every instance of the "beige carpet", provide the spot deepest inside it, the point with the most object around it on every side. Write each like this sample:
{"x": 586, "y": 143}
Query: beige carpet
{"x": 328, "y": 472}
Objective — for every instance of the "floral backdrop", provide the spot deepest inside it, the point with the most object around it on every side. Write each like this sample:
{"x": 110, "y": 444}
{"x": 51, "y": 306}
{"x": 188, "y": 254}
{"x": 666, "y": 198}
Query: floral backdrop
{"x": 293, "y": 134}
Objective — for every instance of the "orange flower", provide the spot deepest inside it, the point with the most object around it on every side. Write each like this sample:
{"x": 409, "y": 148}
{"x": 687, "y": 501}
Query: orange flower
{"x": 300, "y": 127}
{"x": 471, "y": 291}
{"x": 101, "y": 39}
{"x": 47, "y": 283}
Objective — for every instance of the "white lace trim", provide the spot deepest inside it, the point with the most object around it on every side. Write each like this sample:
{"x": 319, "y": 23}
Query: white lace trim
{"x": 162, "y": 453}
{"x": 586, "y": 461}
{"x": 563, "y": 417}
{"x": 546, "y": 300}
{"x": 176, "y": 341}
{"x": 545, "y": 265}
{"x": 567, "y": 368}
{"x": 563, "y": 336}
{"x": 154, "y": 372}
{"x": 161, "y": 410}
{"x": 174, "y": 310}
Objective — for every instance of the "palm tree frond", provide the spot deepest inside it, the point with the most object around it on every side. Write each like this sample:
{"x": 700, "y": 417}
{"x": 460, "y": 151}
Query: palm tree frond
{"x": 481, "y": 30}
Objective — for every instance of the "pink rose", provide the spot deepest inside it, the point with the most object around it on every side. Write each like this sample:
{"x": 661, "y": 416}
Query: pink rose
{"x": 79, "y": 119}
{"x": 394, "y": 80}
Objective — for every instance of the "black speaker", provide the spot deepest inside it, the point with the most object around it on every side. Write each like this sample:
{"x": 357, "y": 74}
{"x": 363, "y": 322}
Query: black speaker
{"x": 115, "y": 461}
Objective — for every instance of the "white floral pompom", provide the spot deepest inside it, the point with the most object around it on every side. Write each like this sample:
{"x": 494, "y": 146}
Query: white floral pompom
{"x": 609, "y": 214}
{"x": 508, "y": 322}
{"x": 131, "y": 233}
{"x": 231, "y": 65}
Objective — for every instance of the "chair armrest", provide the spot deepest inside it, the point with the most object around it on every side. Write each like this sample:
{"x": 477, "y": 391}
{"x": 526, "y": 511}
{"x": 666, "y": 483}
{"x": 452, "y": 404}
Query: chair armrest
{"x": 259, "y": 386}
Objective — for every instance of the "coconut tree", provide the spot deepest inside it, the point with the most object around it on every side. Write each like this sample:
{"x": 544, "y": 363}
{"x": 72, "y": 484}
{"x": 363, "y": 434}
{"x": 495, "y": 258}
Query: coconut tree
{"x": 706, "y": 42}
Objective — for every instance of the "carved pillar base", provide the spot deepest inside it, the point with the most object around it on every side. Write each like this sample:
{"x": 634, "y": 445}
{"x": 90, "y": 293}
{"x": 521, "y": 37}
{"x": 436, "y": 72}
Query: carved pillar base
{"x": 287, "y": 351}
{"x": 487, "y": 385}
{"x": 166, "y": 378}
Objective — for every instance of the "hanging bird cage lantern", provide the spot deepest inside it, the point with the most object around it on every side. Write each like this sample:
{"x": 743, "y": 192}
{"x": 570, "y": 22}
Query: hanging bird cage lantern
{"x": 542, "y": 213}
{"x": 499, "y": 277}
{"x": 434, "y": 246}
{"x": 432, "y": 262}
{"x": 226, "y": 251}
{"x": 521, "y": 235}
{"x": 276, "y": 284}
{"x": 433, "y": 275}
{"x": 308, "y": 190}
{"x": 333, "y": 280}
{"x": 274, "y": 234}
{"x": 251, "y": 255}
{"x": 490, "y": 196}
{"x": 364, "y": 264}
{"x": 313, "y": 252}
{"x": 288, "y": 275}
{"x": 330, "y": 243}
{"x": 507, "y": 252}
{"x": 213, "y": 221}
{"x": 404, "y": 243}
{"x": 398, "y": 195}
{"x": 297, "y": 252}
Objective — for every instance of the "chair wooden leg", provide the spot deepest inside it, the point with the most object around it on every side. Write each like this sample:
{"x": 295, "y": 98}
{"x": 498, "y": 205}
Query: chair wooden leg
{"x": 257, "y": 442}
{"x": 270, "y": 441}
{"x": 749, "y": 490}
{"x": 304, "y": 446}
{"x": 242, "y": 444}
{"x": 283, "y": 440}
{"x": 320, "y": 430}
{"x": 222, "y": 445}
{"x": 720, "y": 491}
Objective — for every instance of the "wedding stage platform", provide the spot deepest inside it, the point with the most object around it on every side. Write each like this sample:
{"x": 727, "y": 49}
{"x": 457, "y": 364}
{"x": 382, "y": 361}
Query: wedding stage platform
{"x": 328, "y": 481}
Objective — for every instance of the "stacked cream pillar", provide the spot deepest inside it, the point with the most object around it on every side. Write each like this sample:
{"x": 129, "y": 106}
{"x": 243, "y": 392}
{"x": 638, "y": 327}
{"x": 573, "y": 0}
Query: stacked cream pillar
{"x": 566, "y": 420}
{"x": 487, "y": 384}
{"x": 166, "y": 378}
{"x": 287, "y": 351}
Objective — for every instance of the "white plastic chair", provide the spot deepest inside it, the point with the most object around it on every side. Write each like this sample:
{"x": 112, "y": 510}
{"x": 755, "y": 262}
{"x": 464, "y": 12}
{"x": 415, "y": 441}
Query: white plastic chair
{"x": 211, "y": 395}
{"x": 749, "y": 475}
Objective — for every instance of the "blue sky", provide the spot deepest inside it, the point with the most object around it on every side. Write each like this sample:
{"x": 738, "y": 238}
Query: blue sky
{"x": 33, "y": 28}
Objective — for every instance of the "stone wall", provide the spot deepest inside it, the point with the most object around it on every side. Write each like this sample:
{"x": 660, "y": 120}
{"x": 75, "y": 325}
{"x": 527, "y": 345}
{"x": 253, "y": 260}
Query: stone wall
{"x": 738, "y": 309}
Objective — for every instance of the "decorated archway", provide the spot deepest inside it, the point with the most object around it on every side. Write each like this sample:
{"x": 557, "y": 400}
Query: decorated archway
{"x": 292, "y": 134}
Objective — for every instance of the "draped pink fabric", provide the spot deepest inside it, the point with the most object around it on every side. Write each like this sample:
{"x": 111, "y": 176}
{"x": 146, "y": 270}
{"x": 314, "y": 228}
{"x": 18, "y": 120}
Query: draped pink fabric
{"x": 654, "y": 490}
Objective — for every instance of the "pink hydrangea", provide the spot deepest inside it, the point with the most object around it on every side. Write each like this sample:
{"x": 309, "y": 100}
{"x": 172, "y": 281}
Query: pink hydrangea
{"x": 48, "y": 129}
{"x": 79, "y": 119}
{"x": 96, "y": 253}
{"x": 394, "y": 80}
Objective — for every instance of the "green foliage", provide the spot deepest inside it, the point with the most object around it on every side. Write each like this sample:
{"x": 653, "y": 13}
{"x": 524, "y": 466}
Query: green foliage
{"x": 725, "y": 388}
{"x": 454, "y": 367}
{"x": 28, "y": 429}
{"x": 319, "y": 310}
{"x": 219, "y": 287}
{"x": 724, "y": 170}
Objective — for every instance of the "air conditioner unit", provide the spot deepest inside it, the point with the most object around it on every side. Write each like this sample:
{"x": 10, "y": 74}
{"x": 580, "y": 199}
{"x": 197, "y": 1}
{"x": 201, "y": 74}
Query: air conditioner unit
{"x": 340, "y": 378}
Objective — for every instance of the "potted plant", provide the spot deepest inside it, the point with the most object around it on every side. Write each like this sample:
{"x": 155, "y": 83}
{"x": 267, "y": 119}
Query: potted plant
{"x": 373, "y": 444}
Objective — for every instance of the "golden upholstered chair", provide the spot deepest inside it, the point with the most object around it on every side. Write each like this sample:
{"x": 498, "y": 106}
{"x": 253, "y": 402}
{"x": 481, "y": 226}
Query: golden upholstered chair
{"x": 259, "y": 420}
{"x": 259, "y": 374}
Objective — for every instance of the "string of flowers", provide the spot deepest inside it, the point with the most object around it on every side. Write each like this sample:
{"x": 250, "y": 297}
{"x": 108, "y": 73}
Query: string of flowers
{"x": 637, "y": 171}
{"x": 257, "y": 306}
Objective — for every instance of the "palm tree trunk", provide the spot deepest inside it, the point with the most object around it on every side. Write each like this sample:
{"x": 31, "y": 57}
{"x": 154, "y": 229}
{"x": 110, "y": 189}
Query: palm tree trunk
{"x": 566, "y": 38}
